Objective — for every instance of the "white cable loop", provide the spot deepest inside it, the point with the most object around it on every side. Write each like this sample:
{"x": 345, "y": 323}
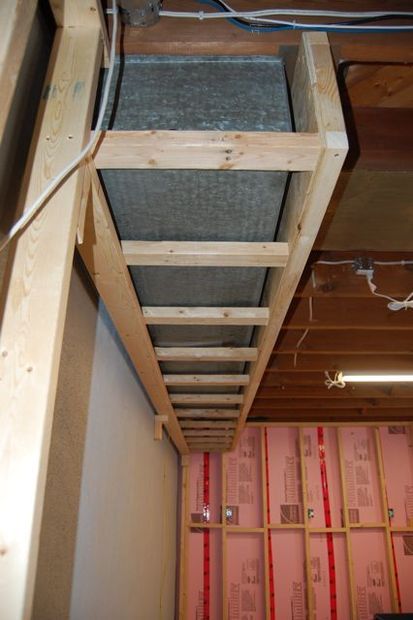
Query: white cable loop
{"x": 34, "y": 208}
{"x": 336, "y": 381}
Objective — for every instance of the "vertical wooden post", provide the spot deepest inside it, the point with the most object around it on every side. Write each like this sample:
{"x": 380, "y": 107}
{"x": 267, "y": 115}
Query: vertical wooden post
{"x": 34, "y": 315}
{"x": 310, "y": 593}
{"x": 265, "y": 524}
{"x": 183, "y": 555}
{"x": 224, "y": 539}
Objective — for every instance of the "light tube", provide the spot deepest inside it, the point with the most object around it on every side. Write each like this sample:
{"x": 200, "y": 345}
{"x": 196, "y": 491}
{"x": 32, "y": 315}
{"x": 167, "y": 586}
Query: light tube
{"x": 385, "y": 378}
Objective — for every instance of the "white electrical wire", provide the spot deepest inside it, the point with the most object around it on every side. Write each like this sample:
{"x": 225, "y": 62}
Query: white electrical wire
{"x": 34, "y": 208}
{"x": 259, "y": 17}
{"x": 336, "y": 381}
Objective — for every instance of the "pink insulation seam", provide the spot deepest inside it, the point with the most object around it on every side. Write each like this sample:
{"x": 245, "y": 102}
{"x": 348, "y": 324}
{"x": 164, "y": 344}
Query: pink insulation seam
{"x": 320, "y": 576}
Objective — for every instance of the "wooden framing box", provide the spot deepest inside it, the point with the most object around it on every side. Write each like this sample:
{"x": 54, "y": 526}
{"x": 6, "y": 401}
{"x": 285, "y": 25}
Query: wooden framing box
{"x": 41, "y": 258}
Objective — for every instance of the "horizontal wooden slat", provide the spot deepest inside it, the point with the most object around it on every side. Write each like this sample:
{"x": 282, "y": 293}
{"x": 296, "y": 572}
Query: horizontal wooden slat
{"x": 208, "y": 424}
{"x": 353, "y": 313}
{"x": 205, "y": 354}
{"x": 217, "y": 414}
{"x": 206, "y": 379}
{"x": 205, "y": 253}
{"x": 195, "y": 437}
{"x": 339, "y": 403}
{"x": 204, "y": 316}
{"x": 364, "y": 415}
{"x": 319, "y": 390}
{"x": 208, "y": 150}
{"x": 367, "y": 362}
{"x": 349, "y": 341}
{"x": 209, "y": 433}
{"x": 206, "y": 399}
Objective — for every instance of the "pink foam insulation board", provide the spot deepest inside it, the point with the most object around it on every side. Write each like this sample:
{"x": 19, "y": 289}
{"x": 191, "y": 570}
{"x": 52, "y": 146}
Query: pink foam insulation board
{"x": 403, "y": 555}
{"x": 204, "y": 586}
{"x": 245, "y": 577}
{"x": 244, "y": 481}
{"x": 205, "y": 489}
{"x": 397, "y": 448}
{"x": 361, "y": 472}
{"x": 370, "y": 573}
{"x": 331, "y": 593}
{"x": 323, "y": 477}
{"x": 288, "y": 568}
{"x": 284, "y": 476}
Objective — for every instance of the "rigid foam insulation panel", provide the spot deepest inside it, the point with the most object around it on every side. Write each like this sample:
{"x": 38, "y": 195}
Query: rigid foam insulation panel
{"x": 284, "y": 476}
{"x": 244, "y": 481}
{"x": 287, "y": 574}
{"x": 398, "y": 440}
{"x": 245, "y": 577}
{"x": 264, "y": 554}
{"x": 323, "y": 477}
{"x": 362, "y": 476}
{"x": 198, "y": 93}
{"x": 205, "y": 489}
{"x": 204, "y": 596}
{"x": 330, "y": 576}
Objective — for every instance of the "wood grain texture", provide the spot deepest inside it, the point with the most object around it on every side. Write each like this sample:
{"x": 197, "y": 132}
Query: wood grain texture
{"x": 204, "y": 316}
{"x": 205, "y": 354}
{"x": 213, "y": 414}
{"x": 208, "y": 424}
{"x": 171, "y": 380}
{"x": 205, "y": 253}
{"x": 207, "y": 150}
{"x": 205, "y": 399}
{"x": 316, "y": 104}
{"x": 102, "y": 255}
{"x": 380, "y": 85}
{"x": 367, "y": 362}
{"x": 34, "y": 315}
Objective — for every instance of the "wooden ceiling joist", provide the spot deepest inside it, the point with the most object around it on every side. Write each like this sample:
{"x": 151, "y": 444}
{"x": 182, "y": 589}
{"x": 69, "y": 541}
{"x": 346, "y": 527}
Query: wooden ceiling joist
{"x": 366, "y": 362}
{"x": 210, "y": 380}
{"x": 205, "y": 316}
{"x": 206, "y": 354}
{"x": 213, "y": 414}
{"x": 206, "y": 399}
{"x": 205, "y": 253}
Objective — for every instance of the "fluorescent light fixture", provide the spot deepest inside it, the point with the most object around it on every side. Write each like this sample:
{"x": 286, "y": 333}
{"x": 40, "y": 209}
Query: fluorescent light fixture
{"x": 388, "y": 378}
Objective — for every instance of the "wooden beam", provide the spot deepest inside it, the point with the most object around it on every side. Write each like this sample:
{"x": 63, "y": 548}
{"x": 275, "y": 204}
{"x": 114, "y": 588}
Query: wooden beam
{"x": 367, "y": 362}
{"x": 205, "y": 354}
{"x": 34, "y": 314}
{"x": 351, "y": 341}
{"x": 216, "y": 438}
{"x": 354, "y": 313}
{"x": 205, "y": 399}
{"x": 103, "y": 258}
{"x": 311, "y": 416}
{"x": 350, "y": 391}
{"x": 316, "y": 104}
{"x": 204, "y": 316}
{"x": 208, "y": 424}
{"x": 206, "y": 380}
{"x": 380, "y": 85}
{"x": 212, "y": 414}
{"x": 217, "y": 434}
{"x": 337, "y": 403}
{"x": 16, "y": 18}
{"x": 207, "y": 150}
{"x": 205, "y": 253}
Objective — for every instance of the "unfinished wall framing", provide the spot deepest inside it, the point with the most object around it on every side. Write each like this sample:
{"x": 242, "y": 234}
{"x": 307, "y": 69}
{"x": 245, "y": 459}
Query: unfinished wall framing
{"x": 299, "y": 522}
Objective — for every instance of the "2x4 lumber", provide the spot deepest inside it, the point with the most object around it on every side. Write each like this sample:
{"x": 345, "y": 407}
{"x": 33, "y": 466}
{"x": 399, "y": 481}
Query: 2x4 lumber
{"x": 367, "y": 362}
{"x": 195, "y": 437}
{"x": 319, "y": 390}
{"x": 34, "y": 313}
{"x": 332, "y": 404}
{"x": 205, "y": 399}
{"x": 316, "y": 104}
{"x": 208, "y": 424}
{"x": 351, "y": 341}
{"x": 103, "y": 258}
{"x": 206, "y": 354}
{"x": 330, "y": 415}
{"x": 208, "y": 150}
{"x": 204, "y": 316}
{"x": 351, "y": 313}
{"x": 205, "y": 253}
{"x": 216, "y": 433}
{"x": 19, "y": 18}
{"x": 213, "y": 414}
{"x": 174, "y": 380}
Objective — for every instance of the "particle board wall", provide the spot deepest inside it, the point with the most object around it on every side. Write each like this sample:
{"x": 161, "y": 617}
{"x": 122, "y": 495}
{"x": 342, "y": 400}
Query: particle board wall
{"x": 109, "y": 527}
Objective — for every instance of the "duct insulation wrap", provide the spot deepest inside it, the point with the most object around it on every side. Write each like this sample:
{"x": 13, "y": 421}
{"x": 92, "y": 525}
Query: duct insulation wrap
{"x": 198, "y": 93}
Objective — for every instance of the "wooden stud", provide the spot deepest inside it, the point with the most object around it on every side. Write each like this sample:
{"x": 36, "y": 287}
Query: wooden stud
{"x": 205, "y": 380}
{"x": 316, "y": 104}
{"x": 205, "y": 316}
{"x": 218, "y": 414}
{"x": 183, "y": 546}
{"x": 205, "y": 253}
{"x": 344, "y": 495}
{"x": 205, "y": 354}
{"x": 205, "y": 399}
{"x": 264, "y": 498}
{"x": 34, "y": 314}
{"x": 202, "y": 433}
{"x": 208, "y": 150}
{"x": 309, "y": 580}
{"x": 388, "y": 535}
{"x": 224, "y": 483}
